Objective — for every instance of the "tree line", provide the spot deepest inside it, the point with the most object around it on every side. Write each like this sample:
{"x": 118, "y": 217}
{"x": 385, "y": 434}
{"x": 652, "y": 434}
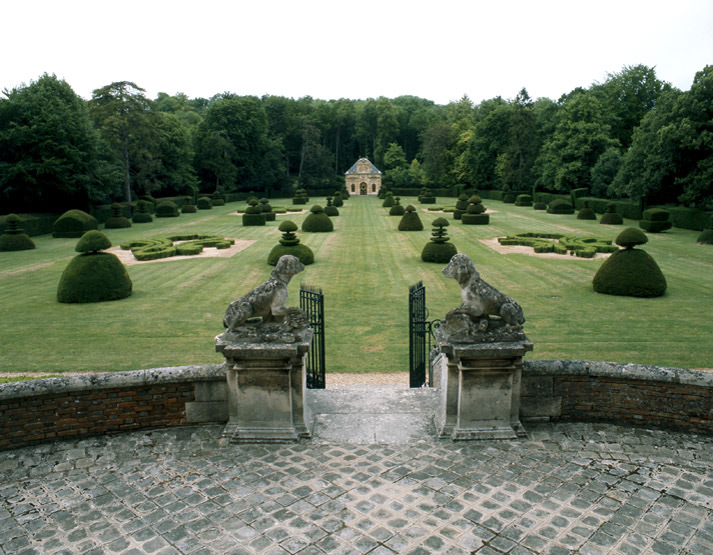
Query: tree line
{"x": 631, "y": 136}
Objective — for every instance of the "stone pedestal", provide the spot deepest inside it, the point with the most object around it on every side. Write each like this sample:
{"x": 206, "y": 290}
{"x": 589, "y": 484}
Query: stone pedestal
{"x": 481, "y": 389}
{"x": 266, "y": 383}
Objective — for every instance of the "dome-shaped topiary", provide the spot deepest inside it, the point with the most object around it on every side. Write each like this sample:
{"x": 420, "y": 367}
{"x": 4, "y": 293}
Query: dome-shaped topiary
{"x": 509, "y": 198}
{"x": 74, "y": 223}
{"x": 331, "y": 210}
{"x": 338, "y": 200}
{"x": 560, "y": 206}
{"x": 630, "y": 272}
{"x": 610, "y": 217}
{"x": 188, "y": 206}
{"x": 93, "y": 276}
{"x": 586, "y": 213}
{"x": 117, "y": 219}
{"x": 397, "y": 209}
{"x": 388, "y": 200}
{"x": 142, "y": 216}
{"x": 523, "y": 200}
{"x": 439, "y": 249}
{"x": 539, "y": 205}
{"x": 410, "y": 221}
{"x": 204, "y": 203}
{"x": 706, "y": 236}
{"x": 290, "y": 244}
{"x": 14, "y": 238}
{"x": 217, "y": 199}
{"x": 655, "y": 220}
{"x": 317, "y": 221}
{"x": 167, "y": 209}
{"x": 631, "y": 237}
{"x": 93, "y": 241}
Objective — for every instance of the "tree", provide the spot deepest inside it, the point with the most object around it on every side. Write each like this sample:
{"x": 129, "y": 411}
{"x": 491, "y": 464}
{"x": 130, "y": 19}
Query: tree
{"x": 515, "y": 164}
{"x": 604, "y": 172}
{"x": 315, "y": 166}
{"x": 175, "y": 174}
{"x": 436, "y": 142}
{"x": 489, "y": 140}
{"x": 49, "y": 151}
{"x": 395, "y": 167}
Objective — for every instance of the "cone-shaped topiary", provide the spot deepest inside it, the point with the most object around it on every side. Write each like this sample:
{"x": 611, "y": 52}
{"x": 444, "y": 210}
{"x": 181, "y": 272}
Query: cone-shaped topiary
{"x": 475, "y": 215}
{"x": 388, "y": 200}
{"x": 290, "y": 244}
{"x": 410, "y": 220}
{"x": 461, "y": 206}
{"x": 439, "y": 249}
{"x": 93, "y": 276}
{"x": 630, "y": 272}
{"x": 142, "y": 216}
{"x": 188, "y": 206}
{"x": 560, "y": 206}
{"x": 397, "y": 209}
{"x": 331, "y": 210}
{"x": 204, "y": 203}
{"x": 610, "y": 217}
{"x": 655, "y": 220}
{"x": 317, "y": 221}
{"x": 523, "y": 200}
{"x": 74, "y": 223}
{"x": 15, "y": 238}
{"x": 706, "y": 236}
{"x": 254, "y": 215}
{"x": 586, "y": 213}
{"x": 117, "y": 220}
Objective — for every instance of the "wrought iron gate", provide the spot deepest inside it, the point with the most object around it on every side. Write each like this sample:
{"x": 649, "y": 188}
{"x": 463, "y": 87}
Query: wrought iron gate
{"x": 419, "y": 335}
{"x": 312, "y": 302}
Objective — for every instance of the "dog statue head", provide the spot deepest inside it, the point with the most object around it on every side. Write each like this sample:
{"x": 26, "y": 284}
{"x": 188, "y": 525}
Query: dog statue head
{"x": 461, "y": 269}
{"x": 286, "y": 267}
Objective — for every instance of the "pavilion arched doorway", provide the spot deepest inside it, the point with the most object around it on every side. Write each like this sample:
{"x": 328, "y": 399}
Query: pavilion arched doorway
{"x": 362, "y": 188}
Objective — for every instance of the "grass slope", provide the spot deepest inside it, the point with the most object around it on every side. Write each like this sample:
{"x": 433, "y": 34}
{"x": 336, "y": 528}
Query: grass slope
{"x": 365, "y": 268}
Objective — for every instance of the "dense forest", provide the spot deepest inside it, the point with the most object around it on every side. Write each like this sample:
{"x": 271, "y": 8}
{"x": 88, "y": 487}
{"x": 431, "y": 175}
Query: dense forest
{"x": 632, "y": 136}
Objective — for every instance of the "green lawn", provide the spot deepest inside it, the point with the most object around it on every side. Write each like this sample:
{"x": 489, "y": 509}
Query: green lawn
{"x": 365, "y": 268}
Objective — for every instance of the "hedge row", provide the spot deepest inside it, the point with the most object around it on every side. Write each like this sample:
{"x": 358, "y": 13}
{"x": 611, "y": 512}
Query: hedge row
{"x": 626, "y": 208}
{"x": 163, "y": 247}
{"x": 33, "y": 224}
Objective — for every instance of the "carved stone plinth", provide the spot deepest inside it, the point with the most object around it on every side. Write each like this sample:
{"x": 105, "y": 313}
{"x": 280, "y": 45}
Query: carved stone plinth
{"x": 481, "y": 389}
{"x": 266, "y": 384}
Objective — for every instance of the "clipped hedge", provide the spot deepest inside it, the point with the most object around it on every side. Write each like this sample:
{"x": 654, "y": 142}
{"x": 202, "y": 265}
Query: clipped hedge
{"x": 582, "y": 247}
{"x": 539, "y": 206}
{"x": 290, "y": 244}
{"x": 439, "y": 249}
{"x": 117, "y": 219}
{"x": 523, "y": 200}
{"x": 204, "y": 203}
{"x": 560, "y": 206}
{"x": 611, "y": 217}
{"x": 74, "y": 224}
{"x": 410, "y": 221}
{"x": 142, "y": 216}
{"x": 689, "y": 218}
{"x": 15, "y": 238}
{"x": 627, "y": 209}
{"x": 33, "y": 224}
{"x": 163, "y": 247}
{"x": 655, "y": 220}
{"x": 586, "y": 213}
{"x": 167, "y": 209}
{"x": 317, "y": 221}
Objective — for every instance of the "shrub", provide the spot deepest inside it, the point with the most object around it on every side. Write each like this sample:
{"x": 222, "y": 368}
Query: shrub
{"x": 204, "y": 203}
{"x": 560, "y": 206}
{"x": 217, "y": 199}
{"x": 397, "y": 209}
{"x": 331, "y": 210}
{"x": 706, "y": 238}
{"x": 539, "y": 206}
{"x": 15, "y": 238}
{"x": 586, "y": 213}
{"x": 426, "y": 196}
{"x": 611, "y": 217}
{"x": 188, "y": 206}
{"x": 300, "y": 197}
{"x": 631, "y": 237}
{"x": 388, "y": 200}
{"x": 93, "y": 276}
{"x": 410, "y": 221}
{"x": 74, "y": 223}
{"x": 655, "y": 220}
{"x": 630, "y": 272}
{"x": 142, "y": 216}
{"x": 117, "y": 220}
{"x": 523, "y": 200}
{"x": 317, "y": 221}
{"x": 689, "y": 218}
{"x": 290, "y": 244}
{"x": 475, "y": 215}
{"x": 254, "y": 215}
{"x": 338, "y": 200}
{"x": 167, "y": 209}
{"x": 267, "y": 210}
{"x": 461, "y": 206}
{"x": 508, "y": 198}
{"x": 439, "y": 249}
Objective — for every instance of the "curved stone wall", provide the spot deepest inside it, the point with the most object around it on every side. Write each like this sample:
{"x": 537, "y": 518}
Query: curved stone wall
{"x": 558, "y": 390}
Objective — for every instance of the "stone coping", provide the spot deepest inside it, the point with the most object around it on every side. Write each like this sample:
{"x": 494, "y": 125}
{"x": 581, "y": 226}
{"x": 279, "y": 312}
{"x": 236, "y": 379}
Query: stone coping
{"x": 111, "y": 380}
{"x": 616, "y": 370}
{"x": 216, "y": 372}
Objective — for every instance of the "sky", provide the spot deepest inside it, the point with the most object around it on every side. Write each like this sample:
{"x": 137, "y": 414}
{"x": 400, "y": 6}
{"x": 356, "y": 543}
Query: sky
{"x": 440, "y": 50}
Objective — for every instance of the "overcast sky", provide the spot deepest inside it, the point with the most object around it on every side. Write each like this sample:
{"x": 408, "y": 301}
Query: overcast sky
{"x": 439, "y": 50}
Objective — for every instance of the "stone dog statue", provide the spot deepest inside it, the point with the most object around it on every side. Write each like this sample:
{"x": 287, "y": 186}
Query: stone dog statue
{"x": 480, "y": 299}
{"x": 268, "y": 299}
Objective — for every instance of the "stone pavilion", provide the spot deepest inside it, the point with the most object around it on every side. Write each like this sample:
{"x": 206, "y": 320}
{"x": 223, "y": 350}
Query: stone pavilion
{"x": 363, "y": 178}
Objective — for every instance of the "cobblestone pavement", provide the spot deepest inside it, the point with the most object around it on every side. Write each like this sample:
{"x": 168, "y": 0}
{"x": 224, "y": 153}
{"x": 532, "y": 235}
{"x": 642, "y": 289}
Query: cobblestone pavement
{"x": 568, "y": 488}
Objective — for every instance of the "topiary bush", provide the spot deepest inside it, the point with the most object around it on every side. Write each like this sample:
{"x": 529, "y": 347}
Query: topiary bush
{"x": 331, "y": 210}
{"x": 426, "y": 196}
{"x": 523, "y": 200}
{"x": 317, "y": 221}
{"x": 539, "y": 206}
{"x": 475, "y": 215}
{"x": 254, "y": 214}
{"x": 630, "y": 272}
{"x": 439, "y": 249}
{"x": 388, "y": 200}
{"x": 142, "y": 216}
{"x": 706, "y": 237}
{"x": 167, "y": 209}
{"x": 267, "y": 210}
{"x": 290, "y": 244}
{"x": 93, "y": 276}
{"x": 410, "y": 221}
{"x": 560, "y": 206}
{"x": 586, "y": 213}
{"x": 204, "y": 203}
{"x": 14, "y": 238}
{"x": 217, "y": 199}
{"x": 74, "y": 223}
{"x": 461, "y": 206}
{"x": 338, "y": 201}
{"x": 300, "y": 197}
{"x": 509, "y": 198}
{"x": 655, "y": 220}
{"x": 117, "y": 220}
{"x": 188, "y": 206}
{"x": 611, "y": 217}
{"x": 397, "y": 209}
